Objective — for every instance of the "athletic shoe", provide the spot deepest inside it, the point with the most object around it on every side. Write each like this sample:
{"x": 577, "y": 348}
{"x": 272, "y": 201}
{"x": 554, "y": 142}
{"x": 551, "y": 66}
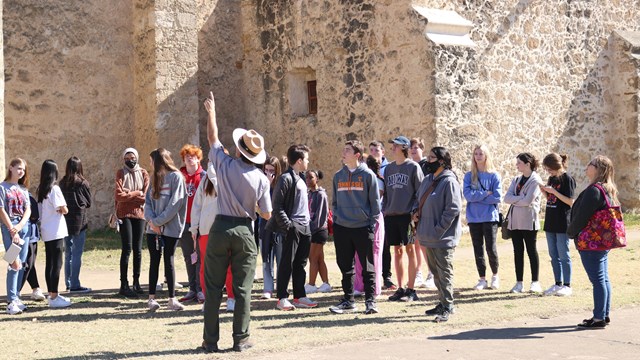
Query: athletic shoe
{"x": 324, "y": 288}
{"x": 153, "y": 305}
{"x": 535, "y": 287}
{"x": 552, "y": 290}
{"x": 565, "y": 291}
{"x": 80, "y": 290}
{"x": 430, "y": 283}
{"x": 304, "y": 303}
{"x": 310, "y": 289}
{"x": 209, "y": 348}
{"x": 231, "y": 305}
{"x": 357, "y": 293}
{"x": 13, "y": 309}
{"x": 435, "y": 311}
{"x": 158, "y": 287}
{"x": 343, "y": 307}
{"x": 442, "y": 317}
{"x": 370, "y": 307}
{"x": 21, "y": 306}
{"x": 177, "y": 285}
{"x": 200, "y": 297}
{"x": 266, "y": 295}
{"x": 59, "y": 302}
{"x": 190, "y": 296}
{"x": 284, "y": 304}
{"x": 409, "y": 295}
{"x": 174, "y": 305}
{"x": 419, "y": 280}
{"x": 593, "y": 324}
{"x": 481, "y": 285}
{"x": 37, "y": 295}
{"x": 388, "y": 284}
{"x": 495, "y": 282}
{"x": 518, "y": 287}
{"x": 397, "y": 295}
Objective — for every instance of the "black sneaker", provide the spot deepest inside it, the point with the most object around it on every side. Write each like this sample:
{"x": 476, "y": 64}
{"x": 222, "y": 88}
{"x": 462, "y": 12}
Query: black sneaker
{"x": 344, "y": 306}
{"x": 388, "y": 284}
{"x": 371, "y": 307}
{"x": 397, "y": 295}
{"x": 592, "y": 324}
{"x": 435, "y": 311}
{"x": 409, "y": 295}
{"x": 442, "y": 317}
{"x": 80, "y": 289}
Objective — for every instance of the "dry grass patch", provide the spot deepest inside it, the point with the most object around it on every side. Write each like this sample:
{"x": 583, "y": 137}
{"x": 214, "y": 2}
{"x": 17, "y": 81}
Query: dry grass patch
{"x": 104, "y": 326}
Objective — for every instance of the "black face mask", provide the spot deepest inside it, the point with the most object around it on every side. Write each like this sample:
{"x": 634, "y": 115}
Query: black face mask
{"x": 131, "y": 163}
{"x": 432, "y": 167}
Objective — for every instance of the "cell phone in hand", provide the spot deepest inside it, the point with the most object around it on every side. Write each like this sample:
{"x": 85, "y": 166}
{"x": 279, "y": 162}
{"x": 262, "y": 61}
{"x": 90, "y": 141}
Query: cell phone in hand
{"x": 194, "y": 257}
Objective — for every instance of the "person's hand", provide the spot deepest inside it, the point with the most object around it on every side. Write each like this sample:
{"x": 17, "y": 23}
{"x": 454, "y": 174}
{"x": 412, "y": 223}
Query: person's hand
{"x": 550, "y": 190}
{"x": 489, "y": 193}
{"x": 16, "y": 265}
{"x": 210, "y": 103}
{"x": 155, "y": 229}
{"x": 194, "y": 236}
{"x": 13, "y": 231}
{"x": 15, "y": 238}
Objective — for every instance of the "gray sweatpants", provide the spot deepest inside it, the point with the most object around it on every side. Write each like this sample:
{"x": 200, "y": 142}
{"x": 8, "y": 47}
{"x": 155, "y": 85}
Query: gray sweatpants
{"x": 440, "y": 262}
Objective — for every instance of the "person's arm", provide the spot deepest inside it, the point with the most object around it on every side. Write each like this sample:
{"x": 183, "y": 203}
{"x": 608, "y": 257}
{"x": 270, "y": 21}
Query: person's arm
{"x": 452, "y": 208}
{"x": 530, "y": 192}
{"x": 374, "y": 200}
{"x": 495, "y": 194}
{"x": 23, "y": 221}
{"x": 264, "y": 201}
{"x": 212, "y": 124}
{"x": 471, "y": 194}
{"x": 280, "y": 194}
{"x": 569, "y": 187}
{"x": 196, "y": 208}
{"x": 585, "y": 206}
{"x": 85, "y": 190}
{"x": 125, "y": 195}
{"x": 5, "y": 219}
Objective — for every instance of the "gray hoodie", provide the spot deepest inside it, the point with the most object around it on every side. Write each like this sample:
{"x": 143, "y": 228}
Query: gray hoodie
{"x": 402, "y": 181}
{"x": 440, "y": 225}
{"x": 318, "y": 210}
{"x": 170, "y": 209}
{"x": 356, "y": 198}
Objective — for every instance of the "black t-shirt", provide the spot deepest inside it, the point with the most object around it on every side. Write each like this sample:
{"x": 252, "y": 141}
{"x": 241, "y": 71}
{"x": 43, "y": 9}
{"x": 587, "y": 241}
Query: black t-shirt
{"x": 555, "y": 219}
{"x": 523, "y": 180}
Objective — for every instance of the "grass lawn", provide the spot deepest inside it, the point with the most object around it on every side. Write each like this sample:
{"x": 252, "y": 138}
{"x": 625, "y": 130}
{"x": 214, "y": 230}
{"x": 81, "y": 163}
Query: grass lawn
{"x": 104, "y": 326}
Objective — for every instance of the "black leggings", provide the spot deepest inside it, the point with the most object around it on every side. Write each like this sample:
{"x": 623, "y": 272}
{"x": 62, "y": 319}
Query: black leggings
{"x": 53, "y": 251}
{"x": 166, "y": 245}
{"x": 131, "y": 233}
{"x": 30, "y": 274}
{"x": 520, "y": 239}
{"x": 482, "y": 233}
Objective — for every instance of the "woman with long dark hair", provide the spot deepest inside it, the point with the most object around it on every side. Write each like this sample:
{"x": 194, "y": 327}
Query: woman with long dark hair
{"x": 165, "y": 211}
{"x": 132, "y": 182}
{"x": 77, "y": 194}
{"x": 270, "y": 242}
{"x": 15, "y": 209}
{"x": 53, "y": 228}
{"x": 600, "y": 192}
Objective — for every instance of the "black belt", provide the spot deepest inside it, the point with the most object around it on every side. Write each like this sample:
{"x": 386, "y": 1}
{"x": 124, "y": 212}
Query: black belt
{"x": 234, "y": 219}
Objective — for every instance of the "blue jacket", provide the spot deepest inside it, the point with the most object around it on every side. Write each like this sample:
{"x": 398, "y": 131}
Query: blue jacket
{"x": 480, "y": 206}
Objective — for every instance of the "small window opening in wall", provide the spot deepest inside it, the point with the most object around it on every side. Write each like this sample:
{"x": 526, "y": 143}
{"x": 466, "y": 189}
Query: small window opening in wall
{"x": 303, "y": 97}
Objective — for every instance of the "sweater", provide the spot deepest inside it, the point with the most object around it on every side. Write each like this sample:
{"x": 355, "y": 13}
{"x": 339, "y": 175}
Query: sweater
{"x": 481, "y": 207}
{"x": 127, "y": 205}
{"x": 169, "y": 210}
{"x": 526, "y": 204}
{"x": 78, "y": 198}
{"x": 356, "y": 198}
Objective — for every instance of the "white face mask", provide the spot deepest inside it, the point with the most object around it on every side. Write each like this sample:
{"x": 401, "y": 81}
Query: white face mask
{"x": 211, "y": 172}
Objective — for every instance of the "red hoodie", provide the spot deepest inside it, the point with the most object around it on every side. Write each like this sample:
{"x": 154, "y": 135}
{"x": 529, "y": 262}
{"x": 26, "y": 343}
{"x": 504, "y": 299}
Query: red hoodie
{"x": 192, "y": 182}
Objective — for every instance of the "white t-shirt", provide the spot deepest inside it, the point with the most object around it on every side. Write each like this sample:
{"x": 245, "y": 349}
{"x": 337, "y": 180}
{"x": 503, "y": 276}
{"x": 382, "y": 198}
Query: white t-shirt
{"x": 52, "y": 223}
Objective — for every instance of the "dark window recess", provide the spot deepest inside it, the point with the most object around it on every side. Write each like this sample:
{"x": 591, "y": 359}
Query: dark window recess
{"x": 313, "y": 98}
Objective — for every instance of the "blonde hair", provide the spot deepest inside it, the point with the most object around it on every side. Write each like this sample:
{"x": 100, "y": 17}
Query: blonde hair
{"x": 488, "y": 163}
{"x": 605, "y": 175}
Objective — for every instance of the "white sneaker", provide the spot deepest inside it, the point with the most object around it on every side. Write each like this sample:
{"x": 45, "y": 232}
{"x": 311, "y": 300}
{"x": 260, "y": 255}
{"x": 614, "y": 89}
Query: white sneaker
{"x": 21, "y": 306}
{"x": 59, "y": 302}
{"x": 153, "y": 305}
{"x": 37, "y": 295}
{"x": 310, "y": 289}
{"x": 495, "y": 282}
{"x": 284, "y": 304}
{"x": 174, "y": 305}
{"x": 535, "y": 287}
{"x": 159, "y": 287}
{"x": 564, "y": 291}
{"x": 430, "y": 284}
{"x": 419, "y": 280}
{"x": 266, "y": 295}
{"x": 324, "y": 288}
{"x": 552, "y": 290}
{"x": 231, "y": 305}
{"x": 178, "y": 286}
{"x": 481, "y": 285}
{"x": 304, "y": 303}
{"x": 517, "y": 288}
{"x": 357, "y": 293}
{"x": 13, "y": 309}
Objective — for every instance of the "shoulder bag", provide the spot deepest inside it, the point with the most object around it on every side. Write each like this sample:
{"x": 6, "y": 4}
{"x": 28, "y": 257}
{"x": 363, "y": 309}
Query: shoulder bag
{"x": 605, "y": 230}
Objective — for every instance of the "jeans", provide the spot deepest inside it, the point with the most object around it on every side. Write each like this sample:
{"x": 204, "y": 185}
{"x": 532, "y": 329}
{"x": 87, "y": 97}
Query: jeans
{"x": 558, "y": 244}
{"x": 14, "y": 277}
{"x": 596, "y": 264}
{"x": 270, "y": 248}
{"x": 74, "y": 246}
{"x": 482, "y": 233}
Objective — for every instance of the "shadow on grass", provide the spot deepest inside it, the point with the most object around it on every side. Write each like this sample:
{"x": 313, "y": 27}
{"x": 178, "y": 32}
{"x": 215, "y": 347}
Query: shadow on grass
{"x": 131, "y": 355}
{"x": 508, "y": 333}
